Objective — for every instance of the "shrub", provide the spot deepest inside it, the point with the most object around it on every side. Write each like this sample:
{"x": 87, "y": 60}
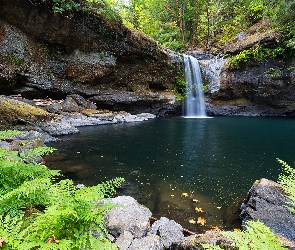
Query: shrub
{"x": 37, "y": 212}
{"x": 287, "y": 180}
{"x": 256, "y": 236}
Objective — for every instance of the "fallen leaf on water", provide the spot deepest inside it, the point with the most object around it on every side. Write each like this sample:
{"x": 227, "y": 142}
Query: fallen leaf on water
{"x": 195, "y": 200}
{"x": 237, "y": 230}
{"x": 199, "y": 209}
{"x": 192, "y": 221}
{"x": 184, "y": 194}
{"x": 201, "y": 221}
{"x": 218, "y": 207}
{"x": 215, "y": 228}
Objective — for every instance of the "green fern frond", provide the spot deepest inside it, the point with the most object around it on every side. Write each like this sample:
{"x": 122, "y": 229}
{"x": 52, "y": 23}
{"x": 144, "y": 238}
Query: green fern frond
{"x": 287, "y": 180}
{"x": 7, "y": 134}
{"x": 34, "y": 210}
{"x": 256, "y": 236}
{"x": 31, "y": 155}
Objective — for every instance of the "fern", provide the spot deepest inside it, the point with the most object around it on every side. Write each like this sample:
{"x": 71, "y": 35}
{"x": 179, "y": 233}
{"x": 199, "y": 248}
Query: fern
{"x": 108, "y": 188}
{"x": 8, "y": 134}
{"x": 14, "y": 174}
{"x": 37, "y": 213}
{"x": 31, "y": 155}
{"x": 287, "y": 180}
{"x": 256, "y": 236}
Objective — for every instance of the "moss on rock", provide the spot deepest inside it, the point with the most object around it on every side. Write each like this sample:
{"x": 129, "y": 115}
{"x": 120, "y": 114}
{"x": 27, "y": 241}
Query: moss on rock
{"x": 15, "y": 112}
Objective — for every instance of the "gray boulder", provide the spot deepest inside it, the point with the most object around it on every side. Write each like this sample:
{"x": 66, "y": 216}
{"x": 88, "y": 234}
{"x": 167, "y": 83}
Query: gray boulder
{"x": 124, "y": 240}
{"x": 69, "y": 105}
{"x": 151, "y": 242}
{"x": 171, "y": 233}
{"x": 127, "y": 216}
{"x": 266, "y": 202}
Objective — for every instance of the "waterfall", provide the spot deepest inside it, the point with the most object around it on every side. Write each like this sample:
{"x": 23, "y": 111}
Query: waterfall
{"x": 194, "y": 103}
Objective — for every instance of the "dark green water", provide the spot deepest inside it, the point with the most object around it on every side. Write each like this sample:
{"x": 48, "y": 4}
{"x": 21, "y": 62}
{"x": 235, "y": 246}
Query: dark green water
{"x": 169, "y": 163}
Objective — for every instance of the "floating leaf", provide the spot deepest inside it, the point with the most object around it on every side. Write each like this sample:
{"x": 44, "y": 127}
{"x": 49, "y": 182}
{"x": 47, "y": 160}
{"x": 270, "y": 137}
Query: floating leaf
{"x": 192, "y": 221}
{"x": 199, "y": 210}
{"x": 184, "y": 194}
{"x": 201, "y": 221}
{"x": 215, "y": 228}
{"x": 218, "y": 207}
{"x": 195, "y": 200}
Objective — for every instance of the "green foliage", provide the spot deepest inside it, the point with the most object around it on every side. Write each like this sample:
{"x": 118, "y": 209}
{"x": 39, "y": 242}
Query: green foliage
{"x": 104, "y": 7}
{"x": 33, "y": 153}
{"x": 7, "y": 134}
{"x": 36, "y": 212}
{"x": 180, "y": 85}
{"x": 287, "y": 180}
{"x": 256, "y": 236}
{"x": 284, "y": 21}
{"x": 60, "y": 6}
{"x": 258, "y": 54}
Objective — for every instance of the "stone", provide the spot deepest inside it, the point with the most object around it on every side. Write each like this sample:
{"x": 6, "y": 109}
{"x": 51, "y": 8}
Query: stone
{"x": 124, "y": 240}
{"x": 171, "y": 233}
{"x": 128, "y": 215}
{"x": 82, "y": 102}
{"x": 69, "y": 105}
{"x": 266, "y": 202}
{"x": 151, "y": 242}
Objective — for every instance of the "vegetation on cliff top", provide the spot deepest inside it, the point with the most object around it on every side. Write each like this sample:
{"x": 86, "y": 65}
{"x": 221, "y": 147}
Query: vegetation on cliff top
{"x": 184, "y": 24}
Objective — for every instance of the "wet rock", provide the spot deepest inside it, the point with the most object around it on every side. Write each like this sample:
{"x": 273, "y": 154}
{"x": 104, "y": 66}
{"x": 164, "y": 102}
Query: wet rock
{"x": 55, "y": 108}
{"x": 147, "y": 243}
{"x": 127, "y": 216}
{"x": 266, "y": 202}
{"x": 58, "y": 126}
{"x": 69, "y": 105}
{"x": 35, "y": 135}
{"x": 124, "y": 240}
{"x": 155, "y": 103}
{"x": 169, "y": 231}
{"x": 82, "y": 102}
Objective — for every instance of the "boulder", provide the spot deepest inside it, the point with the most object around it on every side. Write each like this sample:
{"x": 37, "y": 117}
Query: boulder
{"x": 127, "y": 216}
{"x": 147, "y": 243}
{"x": 266, "y": 202}
{"x": 171, "y": 233}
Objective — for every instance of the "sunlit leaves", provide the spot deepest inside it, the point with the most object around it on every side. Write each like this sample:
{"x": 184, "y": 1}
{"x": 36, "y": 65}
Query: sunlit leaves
{"x": 201, "y": 221}
{"x": 199, "y": 210}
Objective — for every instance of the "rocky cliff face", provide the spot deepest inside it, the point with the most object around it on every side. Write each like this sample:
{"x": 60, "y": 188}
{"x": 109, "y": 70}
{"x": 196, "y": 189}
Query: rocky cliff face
{"x": 46, "y": 54}
{"x": 265, "y": 88}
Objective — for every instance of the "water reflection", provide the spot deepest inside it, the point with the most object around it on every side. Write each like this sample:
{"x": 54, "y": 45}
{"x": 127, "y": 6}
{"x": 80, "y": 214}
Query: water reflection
{"x": 175, "y": 165}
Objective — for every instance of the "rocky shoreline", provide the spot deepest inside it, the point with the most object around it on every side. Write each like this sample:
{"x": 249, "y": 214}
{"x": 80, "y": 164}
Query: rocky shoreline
{"x": 58, "y": 117}
{"x": 131, "y": 225}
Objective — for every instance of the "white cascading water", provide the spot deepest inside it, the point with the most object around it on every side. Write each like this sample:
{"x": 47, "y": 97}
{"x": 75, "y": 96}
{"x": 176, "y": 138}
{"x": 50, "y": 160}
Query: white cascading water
{"x": 194, "y": 103}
